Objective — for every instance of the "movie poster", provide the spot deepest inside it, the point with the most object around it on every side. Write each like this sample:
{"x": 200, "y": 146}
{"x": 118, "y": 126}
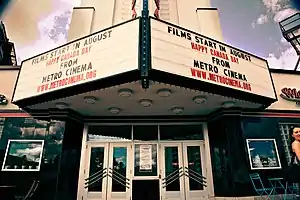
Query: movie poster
{"x": 145, "y": 158}
{"x": 23, "y": 155}
{"x": 263, "y": 154}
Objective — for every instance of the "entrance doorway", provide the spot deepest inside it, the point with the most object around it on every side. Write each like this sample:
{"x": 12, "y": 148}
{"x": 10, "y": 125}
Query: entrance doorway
{"x": 107, "y": 174}
{"x": 167, "y": 170}
{"x": 145, "y": 190}
{"x": 183, "y": 170}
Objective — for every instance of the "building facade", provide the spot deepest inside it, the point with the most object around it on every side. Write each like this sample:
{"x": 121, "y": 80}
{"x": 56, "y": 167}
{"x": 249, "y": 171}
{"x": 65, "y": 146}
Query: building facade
{"x": 151, "y": 104}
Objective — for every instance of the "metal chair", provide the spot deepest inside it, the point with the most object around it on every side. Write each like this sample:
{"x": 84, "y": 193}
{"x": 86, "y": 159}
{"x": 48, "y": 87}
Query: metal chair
{"x": 291, "y": 189}
{"x": 259, "y": 187}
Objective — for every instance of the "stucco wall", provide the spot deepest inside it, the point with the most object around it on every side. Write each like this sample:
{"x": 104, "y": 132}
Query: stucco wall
{"x": 97, "y": 15}
{"x": 7, "y": 83}
{"x": 283, "y": 80}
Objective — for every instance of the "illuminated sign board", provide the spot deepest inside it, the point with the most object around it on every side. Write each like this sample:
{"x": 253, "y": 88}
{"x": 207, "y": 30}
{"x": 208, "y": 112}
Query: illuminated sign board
{"x": 100, "y": 55}
{"x": 178, "y": 51}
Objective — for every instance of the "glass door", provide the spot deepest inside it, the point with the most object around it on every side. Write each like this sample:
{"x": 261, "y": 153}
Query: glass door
{"x": 182, "y": 171}
{"x": 108, "y": 172}
{"x": 96, "y": 171}
{"x": 194, "y": 170}
{"x": 172, "y": 172}
{"x": 119, "y": 171}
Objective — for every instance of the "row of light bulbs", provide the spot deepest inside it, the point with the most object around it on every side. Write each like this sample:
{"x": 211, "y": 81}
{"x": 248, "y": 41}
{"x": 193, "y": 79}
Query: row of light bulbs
{"x": 126, "y": 93}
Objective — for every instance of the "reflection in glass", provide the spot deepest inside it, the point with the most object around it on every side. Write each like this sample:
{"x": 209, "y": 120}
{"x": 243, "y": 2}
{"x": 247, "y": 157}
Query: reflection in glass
{"x": 171, "y": 169}
{"x": 181, "y": 132}
{"x": 23, "y": 155}
{"x": 115, "y": 133}
{"x": 145, "y": 132}
{"x": 2, "y": 120}
{"x": 194, "y": 163}
{"x": 51, "y": 132}
{"x": 96, "y": 165}
{"x": 119, "y": 169}
{"x": 145, "y": 160}
{"x": 263, "y": 154}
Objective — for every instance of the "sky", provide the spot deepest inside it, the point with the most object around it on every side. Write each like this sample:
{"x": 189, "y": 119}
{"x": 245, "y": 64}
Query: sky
{"x": 32, "y": 150}
{"x": 251, "y": 25}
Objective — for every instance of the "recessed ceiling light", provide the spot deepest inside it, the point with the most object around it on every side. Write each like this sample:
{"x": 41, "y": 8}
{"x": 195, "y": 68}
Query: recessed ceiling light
{"x": 199, "y": 99}
{"x": 228, "y": 104}
{"x": 177, "y": 110}
{"x": 114, "y": 110}
{"x": 90, "y": 100}
{"x": 61, "y": 105}
{"x": 164, "y": 92}
{"x": 146, "y": 102}
{"x": 125, "y": 93}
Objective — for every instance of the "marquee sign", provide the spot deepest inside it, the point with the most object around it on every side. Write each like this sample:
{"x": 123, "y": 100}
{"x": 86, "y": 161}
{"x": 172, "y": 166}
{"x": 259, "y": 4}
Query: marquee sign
{"x": 81, "y": 61}
{"x": 179, "y": 51}
{"x": 291, "y": 94}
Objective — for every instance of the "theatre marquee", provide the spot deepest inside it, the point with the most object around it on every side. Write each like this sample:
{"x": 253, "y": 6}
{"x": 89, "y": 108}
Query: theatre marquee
{"x": 103, "y": 54}
{"x": 182, "y": 52}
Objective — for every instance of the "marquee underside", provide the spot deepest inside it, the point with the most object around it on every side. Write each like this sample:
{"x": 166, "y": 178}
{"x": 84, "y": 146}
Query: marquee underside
{"x": 109, "y": 100}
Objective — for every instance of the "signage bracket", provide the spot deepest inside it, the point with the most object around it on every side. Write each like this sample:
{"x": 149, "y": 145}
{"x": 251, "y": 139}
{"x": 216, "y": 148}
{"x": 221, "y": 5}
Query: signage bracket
{"x": 144, "y": 51}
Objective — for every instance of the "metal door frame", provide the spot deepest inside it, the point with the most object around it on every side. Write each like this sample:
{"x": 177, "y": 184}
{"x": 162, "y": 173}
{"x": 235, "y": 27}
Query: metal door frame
{"x": 107, "y": 162}
{"x": 89, "y": 147}
{"x": 182, "y": 160}
{"x": 83, "y": 158}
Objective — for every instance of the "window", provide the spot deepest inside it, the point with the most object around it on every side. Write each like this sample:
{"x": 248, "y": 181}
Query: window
{"x": 285, "y": 136}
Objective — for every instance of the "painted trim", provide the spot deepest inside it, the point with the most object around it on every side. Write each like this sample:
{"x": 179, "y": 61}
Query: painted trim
{"x": 272, "y": 80}
{"x": 84, "y": 7}
{"x": 14, "y": 114}
{"x": 83, "y": 161}
{"x": 209, "y": 172}
{"x": 206, "y": 9}
{"x": 148, "y": 120}
{"x": 2, "y": 68}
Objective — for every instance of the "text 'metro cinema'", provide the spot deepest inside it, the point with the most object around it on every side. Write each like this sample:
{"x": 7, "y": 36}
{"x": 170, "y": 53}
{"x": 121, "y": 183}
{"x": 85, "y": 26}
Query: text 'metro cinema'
{"x": 145, "y": 101}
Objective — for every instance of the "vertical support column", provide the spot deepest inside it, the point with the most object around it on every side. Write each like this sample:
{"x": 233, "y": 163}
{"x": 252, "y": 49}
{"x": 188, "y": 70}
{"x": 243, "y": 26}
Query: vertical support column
{"x": 209, "y": 23}
{"x": 83, "y": 16}
{"x": 67, "y": 186}
{"x": 210, "y": 185}
{"x": 80, "y": 192}
{"x": 144, "y": 53}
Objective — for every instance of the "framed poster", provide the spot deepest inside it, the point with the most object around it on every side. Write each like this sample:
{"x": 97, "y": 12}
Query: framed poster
{"x": 23, "y": 155}
{"x": 263, "y": 154}
{"x": 146, "y": 157}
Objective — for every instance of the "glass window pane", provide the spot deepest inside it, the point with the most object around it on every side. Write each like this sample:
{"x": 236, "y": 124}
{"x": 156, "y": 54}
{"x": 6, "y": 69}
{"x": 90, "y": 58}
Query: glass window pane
{"x": 290, "y": 20}
{"x": 181, "y": 132}
{"x": 145, "y": 133}
{"x": 119, "y": 169}
{"x": 109, "y": 133}
{"x": 195, "y": 168}
{"x": 145, "y": 160}
{"x": 172, "y": 169}
{"x": 96, "y": 165}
